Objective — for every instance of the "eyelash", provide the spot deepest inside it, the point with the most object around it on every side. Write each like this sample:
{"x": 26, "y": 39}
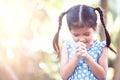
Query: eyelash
{"x": 76, "y": 35}
{"x": 86, "y": 34}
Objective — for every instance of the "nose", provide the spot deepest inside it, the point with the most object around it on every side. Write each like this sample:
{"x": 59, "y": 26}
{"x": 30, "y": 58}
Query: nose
{"x": 81, "y": 39}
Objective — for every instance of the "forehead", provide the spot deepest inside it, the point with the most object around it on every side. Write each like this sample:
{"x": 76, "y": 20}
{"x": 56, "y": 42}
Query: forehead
{"x": 81, "y": 30}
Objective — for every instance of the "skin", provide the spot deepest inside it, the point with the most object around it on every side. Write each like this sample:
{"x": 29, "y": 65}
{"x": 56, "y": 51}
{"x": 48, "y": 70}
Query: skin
{"x": 84, "y": 39}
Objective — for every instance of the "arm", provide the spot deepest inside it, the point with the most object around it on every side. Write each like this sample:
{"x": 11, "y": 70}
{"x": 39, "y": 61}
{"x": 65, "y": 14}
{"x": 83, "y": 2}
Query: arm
{"x": 66, "y": 67}
{"x": 99, "y": 69}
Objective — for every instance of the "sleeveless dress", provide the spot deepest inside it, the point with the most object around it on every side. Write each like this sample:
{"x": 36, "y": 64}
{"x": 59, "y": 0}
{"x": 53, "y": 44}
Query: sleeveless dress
{"x": 83, "y": 71}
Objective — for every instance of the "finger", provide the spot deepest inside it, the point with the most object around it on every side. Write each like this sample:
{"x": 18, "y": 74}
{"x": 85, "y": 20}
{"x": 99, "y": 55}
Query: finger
{"x": 81, "y": 48}
{"x": 80, "y": 44}
{"x": 82, "y": 51}
{"x": 78, "y": 50}
{"x": 83, "y": 55}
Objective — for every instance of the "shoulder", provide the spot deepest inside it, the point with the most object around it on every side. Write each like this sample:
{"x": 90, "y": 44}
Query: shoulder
{"x": 100, "y": 43}
{"x": 96, "y": 48}
{"x": 104, "y": 49}
{"x": 97, "y": 45}
{"x": 68, "y": 43}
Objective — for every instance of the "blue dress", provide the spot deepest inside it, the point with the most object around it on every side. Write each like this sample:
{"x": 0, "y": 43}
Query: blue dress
{"x": 83, "y": 71}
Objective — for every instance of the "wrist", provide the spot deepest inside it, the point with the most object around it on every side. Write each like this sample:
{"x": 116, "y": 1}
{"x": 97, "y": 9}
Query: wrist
{"x": 86, "y": 56}
{"x": 77, "y": 56}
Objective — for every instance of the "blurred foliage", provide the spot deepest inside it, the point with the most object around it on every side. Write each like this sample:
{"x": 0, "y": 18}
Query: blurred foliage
{"x": 26, "y": 31}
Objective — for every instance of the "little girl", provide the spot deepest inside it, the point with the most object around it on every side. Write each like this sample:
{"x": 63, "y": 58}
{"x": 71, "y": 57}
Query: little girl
{"x": 84, "y": 58}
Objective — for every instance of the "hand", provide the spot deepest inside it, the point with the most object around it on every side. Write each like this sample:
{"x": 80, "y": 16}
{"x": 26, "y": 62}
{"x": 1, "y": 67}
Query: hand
{"x": 81, "y": 49}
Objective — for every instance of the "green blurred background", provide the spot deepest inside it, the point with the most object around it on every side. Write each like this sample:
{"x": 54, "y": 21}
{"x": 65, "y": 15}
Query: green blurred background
{"x": 27, "y": 28}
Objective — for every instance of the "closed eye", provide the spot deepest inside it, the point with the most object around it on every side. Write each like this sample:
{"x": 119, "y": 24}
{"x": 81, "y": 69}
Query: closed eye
{"x": 76, "y": 35}
{"x": 87, "y": 34}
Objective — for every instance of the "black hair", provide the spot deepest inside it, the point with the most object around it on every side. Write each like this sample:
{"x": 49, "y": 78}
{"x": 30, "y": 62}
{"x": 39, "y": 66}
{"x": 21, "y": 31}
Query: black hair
{"x": 80, "y": 16}
{"x": 108, "y": 39}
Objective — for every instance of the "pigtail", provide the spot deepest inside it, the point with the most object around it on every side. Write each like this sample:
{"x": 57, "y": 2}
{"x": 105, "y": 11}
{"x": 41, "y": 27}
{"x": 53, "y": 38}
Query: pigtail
{"x": 108, "y": 39}
{"x": 56, "y": 37}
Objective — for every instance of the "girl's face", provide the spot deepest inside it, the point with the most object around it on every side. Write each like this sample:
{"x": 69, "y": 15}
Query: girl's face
{"x": 84, "y": 34}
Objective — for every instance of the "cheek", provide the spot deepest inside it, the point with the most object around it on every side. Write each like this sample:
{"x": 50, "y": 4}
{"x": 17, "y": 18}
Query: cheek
{"x": 83, "y": 39}
{"x": 76, "y": 39}
{"x": 86, "y": 39}
{"x": 89, "y": 38}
